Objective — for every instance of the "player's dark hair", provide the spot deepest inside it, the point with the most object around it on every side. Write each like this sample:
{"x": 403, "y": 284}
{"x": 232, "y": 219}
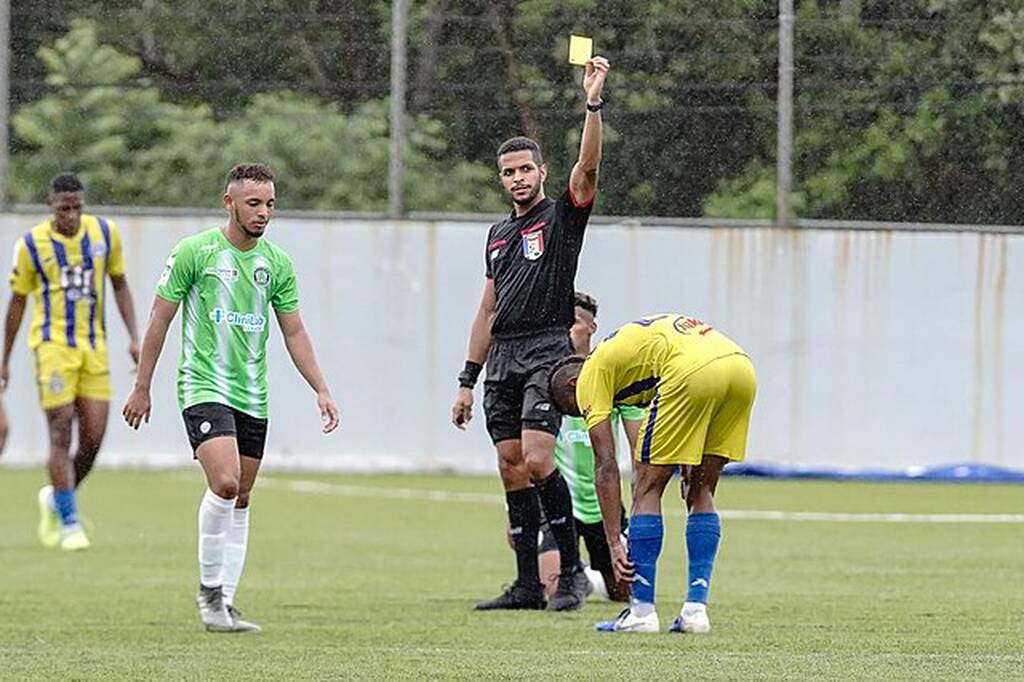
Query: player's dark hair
{"x": 257, "y": 172}
{"x": 521, "y": 144}
{"x": 562, "y": 393}
{"x": 66, "y": 182}
{"x": 586, "y": 301}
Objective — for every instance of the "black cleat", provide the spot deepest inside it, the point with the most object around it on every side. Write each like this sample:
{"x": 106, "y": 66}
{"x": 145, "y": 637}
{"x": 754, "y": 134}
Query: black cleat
{"x": 515, "y": 597}
{"x": 572, "y": 591}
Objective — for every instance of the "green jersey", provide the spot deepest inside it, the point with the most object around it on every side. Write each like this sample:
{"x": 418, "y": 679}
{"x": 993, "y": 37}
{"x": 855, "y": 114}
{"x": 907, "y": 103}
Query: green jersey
{"x": 227, "y": 295}
{"x": 574, "y": 457}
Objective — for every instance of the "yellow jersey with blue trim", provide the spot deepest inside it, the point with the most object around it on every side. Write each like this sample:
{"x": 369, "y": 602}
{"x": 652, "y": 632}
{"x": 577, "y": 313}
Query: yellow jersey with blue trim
{"x": 66, "y": 277}
{"x": 631, "y": 363}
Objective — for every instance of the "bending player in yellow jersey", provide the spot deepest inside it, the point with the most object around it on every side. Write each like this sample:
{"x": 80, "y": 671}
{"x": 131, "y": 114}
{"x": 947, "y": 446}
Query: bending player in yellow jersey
{"x": 63, "y": 263}
{"x": 698, "y": 387}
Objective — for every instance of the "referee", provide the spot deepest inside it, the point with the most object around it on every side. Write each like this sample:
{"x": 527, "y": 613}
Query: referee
{"x": 521, "y": 328}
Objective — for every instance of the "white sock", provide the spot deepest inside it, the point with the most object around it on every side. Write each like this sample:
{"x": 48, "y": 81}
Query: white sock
{"x": 214, "y": 520}
{"x": 693, "y": 607}
{"x": 641, "y": 609}
{"x": 597, "y": 580}
{"x": 234, "y": 552}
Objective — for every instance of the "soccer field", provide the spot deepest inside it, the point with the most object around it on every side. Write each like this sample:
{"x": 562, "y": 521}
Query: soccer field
{"x": 375, "y": 577}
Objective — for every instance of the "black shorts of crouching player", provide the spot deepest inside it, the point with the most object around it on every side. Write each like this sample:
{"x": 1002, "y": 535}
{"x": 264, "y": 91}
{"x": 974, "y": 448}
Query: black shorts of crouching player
{"x": 597, "y": 549}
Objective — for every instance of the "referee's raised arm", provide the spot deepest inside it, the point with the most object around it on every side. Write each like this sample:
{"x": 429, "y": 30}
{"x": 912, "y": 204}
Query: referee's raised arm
{"x": 583, "y": 181}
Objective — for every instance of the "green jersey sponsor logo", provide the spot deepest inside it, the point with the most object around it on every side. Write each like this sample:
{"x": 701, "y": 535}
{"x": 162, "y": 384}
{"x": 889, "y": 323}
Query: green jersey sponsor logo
{"x": 249, "y": 322}
{"x": 225, "y": 274}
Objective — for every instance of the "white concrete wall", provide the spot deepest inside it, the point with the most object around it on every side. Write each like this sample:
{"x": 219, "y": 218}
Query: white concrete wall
{"x": 872, "y": 348}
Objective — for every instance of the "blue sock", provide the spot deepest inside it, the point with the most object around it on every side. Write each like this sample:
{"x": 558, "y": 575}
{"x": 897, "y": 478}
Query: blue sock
{"x": 702, "y": 534}
{"x": 64, "y": 500}
{"x": 646, "y": 532}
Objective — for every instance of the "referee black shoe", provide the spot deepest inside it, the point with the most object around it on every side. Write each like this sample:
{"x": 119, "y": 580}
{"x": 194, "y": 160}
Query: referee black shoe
{"x": 516, "y": 597}
{"x": 572, "y": 591}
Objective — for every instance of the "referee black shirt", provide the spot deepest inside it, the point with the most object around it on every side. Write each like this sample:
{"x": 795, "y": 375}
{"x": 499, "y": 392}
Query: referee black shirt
{"x": 532, "y": 260}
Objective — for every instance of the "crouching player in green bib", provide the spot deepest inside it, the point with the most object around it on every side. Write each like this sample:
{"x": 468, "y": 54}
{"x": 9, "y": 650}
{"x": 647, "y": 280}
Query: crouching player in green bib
{"x": 227, "y": 280}
{"x": 574, "y": 457}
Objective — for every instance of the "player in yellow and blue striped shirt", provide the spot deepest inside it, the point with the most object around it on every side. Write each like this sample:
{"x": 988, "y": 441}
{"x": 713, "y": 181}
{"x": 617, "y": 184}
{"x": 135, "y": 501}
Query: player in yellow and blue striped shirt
{"x": 63, "y": 263}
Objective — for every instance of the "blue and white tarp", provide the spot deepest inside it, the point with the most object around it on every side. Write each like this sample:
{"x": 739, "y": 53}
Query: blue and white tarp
{"x": 968, "y": 473}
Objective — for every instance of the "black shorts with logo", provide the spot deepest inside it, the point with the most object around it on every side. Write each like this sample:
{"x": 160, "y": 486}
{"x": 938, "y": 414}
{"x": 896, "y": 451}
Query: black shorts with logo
{"x": 210, "y": 420}
{"x": 516, "y": 388}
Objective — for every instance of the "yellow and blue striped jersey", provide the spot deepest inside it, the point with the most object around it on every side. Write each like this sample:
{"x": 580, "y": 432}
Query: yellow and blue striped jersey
{"x": 66, "y": 277}
{"x": 629, "y": 366}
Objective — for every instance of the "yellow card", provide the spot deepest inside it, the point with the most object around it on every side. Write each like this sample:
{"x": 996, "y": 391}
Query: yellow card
{"x": 580, "y": 49}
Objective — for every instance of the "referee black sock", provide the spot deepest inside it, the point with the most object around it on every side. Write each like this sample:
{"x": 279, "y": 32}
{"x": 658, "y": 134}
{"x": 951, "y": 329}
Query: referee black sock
{"x": 554, "y": 495}
{"x": 524, "y": 524}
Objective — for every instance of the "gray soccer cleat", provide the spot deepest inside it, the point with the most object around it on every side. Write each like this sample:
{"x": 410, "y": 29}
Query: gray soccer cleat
{"x": 572, "y": 591}
{"x": 240, "y": 624}
{"x": 212, "y": 611}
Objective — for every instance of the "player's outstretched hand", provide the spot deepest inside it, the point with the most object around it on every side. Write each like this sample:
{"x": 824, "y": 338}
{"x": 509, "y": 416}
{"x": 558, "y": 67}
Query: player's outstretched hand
{"x": 462, "y": 410}
{"x": 137, "y": 407}
{"x": 330, "y": 415}
{"x": 623, "y": 567}
{"x": 594, "y": 74}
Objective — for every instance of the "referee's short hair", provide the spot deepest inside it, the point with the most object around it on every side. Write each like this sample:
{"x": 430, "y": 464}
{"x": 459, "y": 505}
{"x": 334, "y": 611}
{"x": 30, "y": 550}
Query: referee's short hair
{"x": 66, "y": 182}
{"x": 257, "y": 172}
{"x": 521, "y": 144}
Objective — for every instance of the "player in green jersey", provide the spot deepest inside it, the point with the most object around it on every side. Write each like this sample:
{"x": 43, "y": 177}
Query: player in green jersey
{"x": 228, "y": 279}
{"x": 575, "y": 459}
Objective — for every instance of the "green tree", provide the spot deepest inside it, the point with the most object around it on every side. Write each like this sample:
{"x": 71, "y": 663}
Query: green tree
{"x": 99, "y": 129}
{"x": 905, "y": 114}
{"x": 132, "y": 146}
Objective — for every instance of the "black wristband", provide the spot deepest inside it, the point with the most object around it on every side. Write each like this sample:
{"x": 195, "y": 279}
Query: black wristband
{"x": 469, "y": 374}
{"x": 595, "y": 107}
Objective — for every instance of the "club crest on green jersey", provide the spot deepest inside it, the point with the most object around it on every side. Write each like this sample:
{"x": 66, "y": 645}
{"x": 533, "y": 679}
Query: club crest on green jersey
{"x": 261, "y": 275}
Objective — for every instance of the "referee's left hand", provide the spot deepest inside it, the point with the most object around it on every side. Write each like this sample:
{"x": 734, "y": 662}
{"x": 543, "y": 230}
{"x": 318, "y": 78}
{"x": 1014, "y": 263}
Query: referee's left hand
{"x": 330, "y": 415}
{"x": 594, "y": 74}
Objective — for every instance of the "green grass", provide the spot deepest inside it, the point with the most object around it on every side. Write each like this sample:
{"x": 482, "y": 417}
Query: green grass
{"x": 355, "y": 586}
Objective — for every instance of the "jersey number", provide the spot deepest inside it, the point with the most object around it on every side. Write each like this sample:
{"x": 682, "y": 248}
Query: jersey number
{"x": 77, "y": 282}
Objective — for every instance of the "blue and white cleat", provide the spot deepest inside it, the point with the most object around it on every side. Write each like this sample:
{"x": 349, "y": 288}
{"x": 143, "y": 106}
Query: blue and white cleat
{"x": 695, "y": 622}
{"x": 627, "y": 622}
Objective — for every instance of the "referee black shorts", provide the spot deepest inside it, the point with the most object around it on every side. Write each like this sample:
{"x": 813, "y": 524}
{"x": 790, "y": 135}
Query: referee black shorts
{"x": 516, "y": 388}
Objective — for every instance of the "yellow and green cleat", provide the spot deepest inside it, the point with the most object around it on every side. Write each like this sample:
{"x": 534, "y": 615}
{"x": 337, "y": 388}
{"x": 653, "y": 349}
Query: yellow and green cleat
{"x": 74, "y": 540}
{"x": 49, "y": 521}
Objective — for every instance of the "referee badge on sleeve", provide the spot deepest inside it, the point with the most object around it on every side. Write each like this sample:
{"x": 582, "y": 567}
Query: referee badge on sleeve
{"x": 533, "y": 245}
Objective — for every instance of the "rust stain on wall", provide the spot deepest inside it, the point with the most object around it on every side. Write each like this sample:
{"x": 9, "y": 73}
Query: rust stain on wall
{"x": 430, "y": 312}
{"x": 988, "y": 385}
{"x": 798, "y": 334}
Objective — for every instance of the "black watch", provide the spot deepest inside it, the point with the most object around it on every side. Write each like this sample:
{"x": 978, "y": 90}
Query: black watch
{"x": 595, "y": 107}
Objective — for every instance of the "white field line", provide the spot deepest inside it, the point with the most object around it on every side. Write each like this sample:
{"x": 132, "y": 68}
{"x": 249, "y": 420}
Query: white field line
{"x": 346, "y": 490}
{"x": 654, "y": 654}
